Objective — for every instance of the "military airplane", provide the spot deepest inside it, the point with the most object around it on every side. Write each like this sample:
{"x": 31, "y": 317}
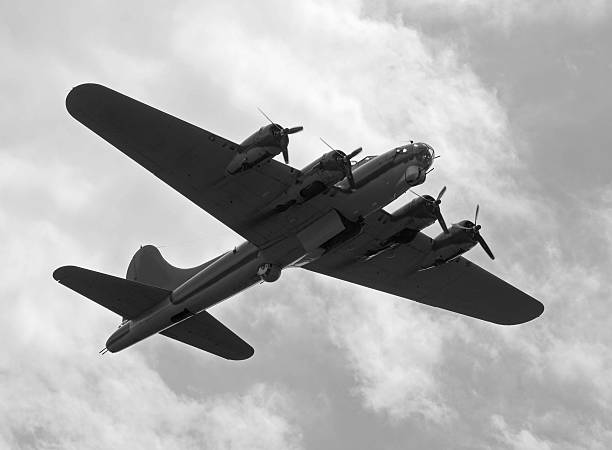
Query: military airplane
{"x": 327, "y": 217}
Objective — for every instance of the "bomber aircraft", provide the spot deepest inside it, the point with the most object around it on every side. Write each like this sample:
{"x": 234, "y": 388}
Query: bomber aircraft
{"x": 327, "y": 217}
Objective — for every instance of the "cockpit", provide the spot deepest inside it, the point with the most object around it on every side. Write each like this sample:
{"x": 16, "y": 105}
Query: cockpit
{"x": 424, "y": 154}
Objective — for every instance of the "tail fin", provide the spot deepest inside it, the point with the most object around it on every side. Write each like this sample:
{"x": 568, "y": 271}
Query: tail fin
{"x": 148, "y": 266}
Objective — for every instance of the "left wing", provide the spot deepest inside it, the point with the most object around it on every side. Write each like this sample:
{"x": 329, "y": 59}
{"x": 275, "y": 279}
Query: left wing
{"x": 205, "y": 332}
{"x": 459, "y": 285}
{"x": 192, "y": 161}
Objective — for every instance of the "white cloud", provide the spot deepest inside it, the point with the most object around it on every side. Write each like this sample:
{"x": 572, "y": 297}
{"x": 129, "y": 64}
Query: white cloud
{"x": 396, "y": 351}
{"x": 68, "y": 198}
{"x": 73, "y": 401}
{"x": 521, "y": 440}
{"x": 56, "y": 391}
{"x": 497, "y": 13}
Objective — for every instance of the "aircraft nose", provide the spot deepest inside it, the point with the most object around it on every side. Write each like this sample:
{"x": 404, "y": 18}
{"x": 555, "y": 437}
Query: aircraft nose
{"x": 414, "y": 175}
{"x": 425, "y": 155}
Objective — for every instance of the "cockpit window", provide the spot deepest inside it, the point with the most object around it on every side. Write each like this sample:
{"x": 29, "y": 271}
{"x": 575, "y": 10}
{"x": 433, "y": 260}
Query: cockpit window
{"x": 424, "y": 153}
{"x": 418, "y": 152}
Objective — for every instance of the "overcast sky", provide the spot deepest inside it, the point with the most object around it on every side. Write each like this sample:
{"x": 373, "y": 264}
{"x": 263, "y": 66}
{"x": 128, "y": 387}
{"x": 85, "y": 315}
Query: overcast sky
{"x": 514, "y": 96}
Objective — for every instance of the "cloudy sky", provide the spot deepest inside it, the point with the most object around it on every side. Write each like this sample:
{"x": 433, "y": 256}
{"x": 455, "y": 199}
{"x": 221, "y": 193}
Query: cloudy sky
{"x": 514, "y": 95}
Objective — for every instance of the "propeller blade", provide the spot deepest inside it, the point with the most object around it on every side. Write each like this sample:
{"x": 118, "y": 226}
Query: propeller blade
{"x": 441, "y": 220}
{"x": 265, "y": 115}
{"x": 349, "y": 168}
{"x": 418, "y": 195}
{"x": 346, "y": 160}
{"x": 354, "y": 153}
{"x": 325, "y": 142}
{"x": 484, "y": 245}
{"x": 440, "y": 195}
{"x": 349, "y": 176}
{"x": 292, "y": 130}
{"x": 283, "y": 131}
{"x": 476, "y": 215}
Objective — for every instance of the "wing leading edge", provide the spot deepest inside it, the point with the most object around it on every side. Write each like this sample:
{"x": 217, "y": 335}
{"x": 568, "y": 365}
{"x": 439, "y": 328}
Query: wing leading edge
{"x": 191, "y": 160}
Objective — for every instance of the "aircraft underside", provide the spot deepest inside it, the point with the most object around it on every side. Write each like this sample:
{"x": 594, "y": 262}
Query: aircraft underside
{"x": 326, "y": 218}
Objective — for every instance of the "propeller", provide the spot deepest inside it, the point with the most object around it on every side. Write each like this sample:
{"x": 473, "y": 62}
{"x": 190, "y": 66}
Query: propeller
{"x": 346, "y": 162}
{"x": 435, "y": 203}
{"x": 476, "y": 232}
{"x": 283, "y": 132}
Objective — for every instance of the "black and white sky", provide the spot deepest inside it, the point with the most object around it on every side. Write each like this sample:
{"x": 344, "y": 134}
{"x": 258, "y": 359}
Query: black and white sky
{"x": 513, "y": 94}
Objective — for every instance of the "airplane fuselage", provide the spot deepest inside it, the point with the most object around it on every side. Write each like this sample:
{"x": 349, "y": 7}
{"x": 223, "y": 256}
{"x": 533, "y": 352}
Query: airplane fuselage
{"x": 380, "y": 181}
{"x": 377, "y": 182}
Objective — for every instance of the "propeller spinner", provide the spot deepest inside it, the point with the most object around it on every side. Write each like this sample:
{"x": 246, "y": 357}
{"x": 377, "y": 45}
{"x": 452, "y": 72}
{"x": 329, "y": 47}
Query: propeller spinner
{"x": 435, "y": 205}
{"x": 475, "y": 229}
{"x": 346, "y": 162}
{"x": 283, "y": 132}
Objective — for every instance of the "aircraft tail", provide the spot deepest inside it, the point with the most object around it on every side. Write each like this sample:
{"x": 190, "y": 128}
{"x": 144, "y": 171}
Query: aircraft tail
{"x": 148, "y": 266}
{"x": 150, "y": 280}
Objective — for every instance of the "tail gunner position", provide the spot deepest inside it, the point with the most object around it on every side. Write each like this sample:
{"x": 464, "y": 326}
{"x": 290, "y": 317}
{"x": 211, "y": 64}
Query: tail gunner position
{"x": 326, "y": 218}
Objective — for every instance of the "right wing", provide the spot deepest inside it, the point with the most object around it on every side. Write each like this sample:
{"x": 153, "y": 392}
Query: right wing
{"x": 205, "y": 332}
{"x": 193, "y": 162}
{"x": 459, "y": 285}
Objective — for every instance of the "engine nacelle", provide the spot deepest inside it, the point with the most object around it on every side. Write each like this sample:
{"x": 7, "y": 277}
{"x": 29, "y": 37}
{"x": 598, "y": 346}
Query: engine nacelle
{"x": 416, "y": 215}
{"x": 323, "y": 172}
{"x": 269, "y": 136}
{"x": 448, "y": 246}
{"x": 315, "y": 178}
{"x": 248, "y": 159}
{"x": 269, "y": 272}
{"x": 259, "y": 147}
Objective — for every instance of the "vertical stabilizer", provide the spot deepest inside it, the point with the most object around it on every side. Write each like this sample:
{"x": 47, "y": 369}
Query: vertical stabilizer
{"x": 148, "y": 266}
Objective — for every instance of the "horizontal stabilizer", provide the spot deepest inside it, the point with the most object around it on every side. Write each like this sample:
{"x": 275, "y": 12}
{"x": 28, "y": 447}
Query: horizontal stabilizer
{"x": 127, "y": 298}
{"x": 207, "y": 333}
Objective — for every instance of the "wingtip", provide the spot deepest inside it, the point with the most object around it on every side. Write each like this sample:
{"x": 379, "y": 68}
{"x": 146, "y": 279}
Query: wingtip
{"x": 61, "y": 272}
{"x": 84, "y": 87}
{"x": 79, "y": 95}
{"x": 535, "y": 310}
{"x": 248, "y": 353}
{"x": 538, "y": 309}
{"x": 57, "y": 273}
{"x": 243, "y": 354}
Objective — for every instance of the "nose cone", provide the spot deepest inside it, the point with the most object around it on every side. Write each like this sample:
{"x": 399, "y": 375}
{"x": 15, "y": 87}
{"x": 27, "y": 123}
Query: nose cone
{"x": 424, "y": 154}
